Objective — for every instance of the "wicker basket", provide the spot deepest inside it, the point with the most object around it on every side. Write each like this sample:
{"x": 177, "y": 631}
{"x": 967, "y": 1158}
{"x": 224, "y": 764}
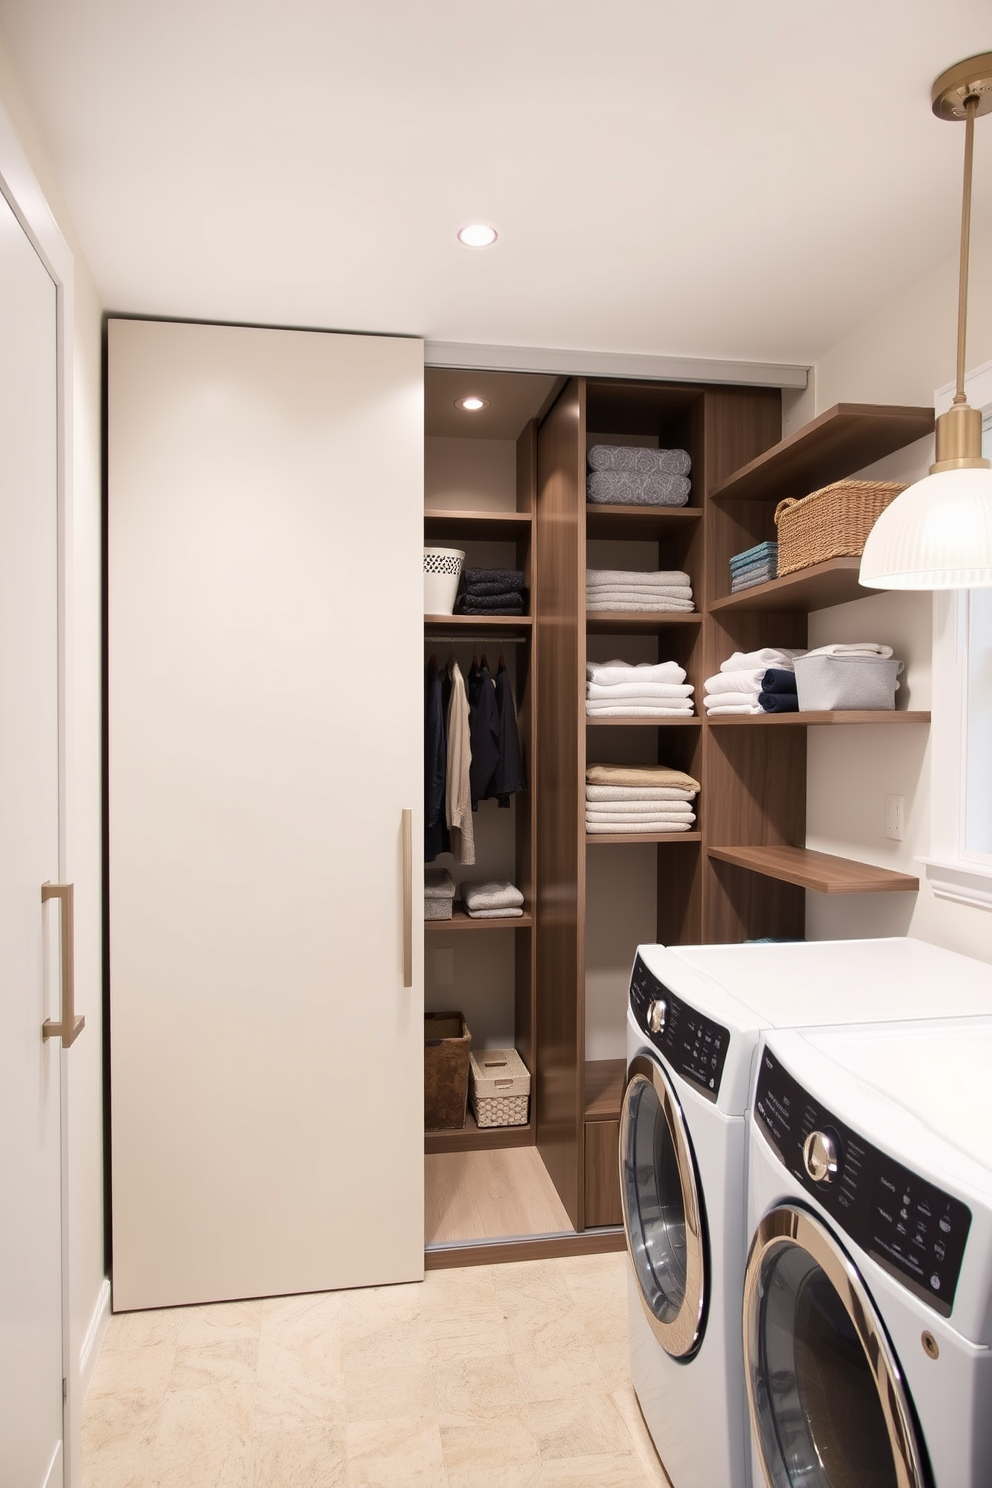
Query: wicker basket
{"x": 833, "y": 522}
{"x": 446, "y": 1053}
{"x": 500, "y": 1086}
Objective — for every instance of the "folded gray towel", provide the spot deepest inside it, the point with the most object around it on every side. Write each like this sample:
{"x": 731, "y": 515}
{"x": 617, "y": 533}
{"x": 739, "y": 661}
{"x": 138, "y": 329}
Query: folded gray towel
{"x": 630, "y": 488}
{"x": 437, "y": 909}
{"x": 490, "y": 604}
{"x": 505, "y": 578}
{"x": 438, "y": 884}
{"x": 635, "y": 457}
{"x": 495, "y": 894}
{"x": 509, "y": 912}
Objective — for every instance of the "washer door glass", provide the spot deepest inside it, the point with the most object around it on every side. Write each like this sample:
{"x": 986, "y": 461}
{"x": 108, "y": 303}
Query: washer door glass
{"x": 662, "y": 1211}
{"x": 826, "y": 1395}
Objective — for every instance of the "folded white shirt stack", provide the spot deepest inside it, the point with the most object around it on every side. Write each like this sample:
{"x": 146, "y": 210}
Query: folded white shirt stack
{"x": 496, "y": 900}
{"x": 628, "y": 799}
{"x": 622, "y": 589}
{"x": 735, "y": 687}
{"x": 618, "y": 689}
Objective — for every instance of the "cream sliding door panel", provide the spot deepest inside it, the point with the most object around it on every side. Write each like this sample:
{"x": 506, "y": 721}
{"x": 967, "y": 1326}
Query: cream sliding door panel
{"x": 30, "y": 1100}
{"x": 265, "y": 735}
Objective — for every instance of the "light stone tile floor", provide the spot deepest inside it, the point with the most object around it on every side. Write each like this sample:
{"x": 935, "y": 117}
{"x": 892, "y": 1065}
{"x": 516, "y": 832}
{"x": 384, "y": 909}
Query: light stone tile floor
{"x": 490, "y": 1377}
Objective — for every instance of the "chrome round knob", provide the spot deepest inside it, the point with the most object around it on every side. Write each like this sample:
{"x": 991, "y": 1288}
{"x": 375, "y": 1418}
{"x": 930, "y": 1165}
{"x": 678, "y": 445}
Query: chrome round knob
{"x": 657, "y": 1015}
{"x": 821, "y": 1157}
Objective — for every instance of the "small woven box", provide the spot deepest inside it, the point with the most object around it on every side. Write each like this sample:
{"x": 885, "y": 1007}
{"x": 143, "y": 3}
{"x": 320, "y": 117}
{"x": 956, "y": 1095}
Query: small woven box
{"x": 500, "y": 1088}
{"x": 833, "y": 522}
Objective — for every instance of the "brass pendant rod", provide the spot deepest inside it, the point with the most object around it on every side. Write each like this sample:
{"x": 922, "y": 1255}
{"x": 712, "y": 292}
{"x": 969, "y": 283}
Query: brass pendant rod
{"x": 971, "y": 108}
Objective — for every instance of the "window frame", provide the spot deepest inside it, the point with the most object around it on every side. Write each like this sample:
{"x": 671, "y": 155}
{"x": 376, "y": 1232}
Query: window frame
{"x": 954, "y": 871}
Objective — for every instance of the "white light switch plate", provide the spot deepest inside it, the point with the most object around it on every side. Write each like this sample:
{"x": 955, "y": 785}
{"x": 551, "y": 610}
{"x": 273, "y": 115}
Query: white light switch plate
{"x": 894, "y": 811}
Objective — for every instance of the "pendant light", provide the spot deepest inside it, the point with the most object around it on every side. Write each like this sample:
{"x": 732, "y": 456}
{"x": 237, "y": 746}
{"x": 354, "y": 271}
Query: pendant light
{"x": 938, "y": 533}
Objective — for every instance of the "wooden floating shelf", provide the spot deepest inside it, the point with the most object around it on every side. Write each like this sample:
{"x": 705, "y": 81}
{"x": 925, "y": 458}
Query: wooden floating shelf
{"x": 844, "y": 439}
{"x": 831, "y": 583}
{"x": 814, "y": 719}
{"x": 460, "y": 920}
{"x": 639, "y": 722}
{"x": 481, "y": 526}
{"x": 454, "y": 623}
{"x": 472, "y": 1138}
{"x": 643, "y": 522}
{"x": 637, "y": 622}
{"x": 816, "y": 870}
{"x": 593, "y": 839}
{"x": 604, "y": 1086}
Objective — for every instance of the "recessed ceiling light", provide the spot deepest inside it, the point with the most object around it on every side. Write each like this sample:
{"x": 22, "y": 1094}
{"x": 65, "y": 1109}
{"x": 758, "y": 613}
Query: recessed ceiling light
{"x": 477, "y": 235}
{"x": 471, "y": 404}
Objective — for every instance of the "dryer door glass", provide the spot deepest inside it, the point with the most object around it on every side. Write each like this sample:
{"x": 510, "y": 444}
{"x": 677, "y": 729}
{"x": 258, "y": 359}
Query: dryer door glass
{"x": 662, "y": 1211}
{"x": 827, "y": 1402}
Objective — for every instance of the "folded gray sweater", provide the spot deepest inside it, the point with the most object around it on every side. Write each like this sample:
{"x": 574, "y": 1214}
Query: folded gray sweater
{"x": 496, "y": 894}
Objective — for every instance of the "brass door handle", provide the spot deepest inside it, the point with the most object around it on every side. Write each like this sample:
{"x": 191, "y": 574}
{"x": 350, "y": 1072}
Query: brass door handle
{"x": 71, "y": 1024}
{"x": 407, "y": 898}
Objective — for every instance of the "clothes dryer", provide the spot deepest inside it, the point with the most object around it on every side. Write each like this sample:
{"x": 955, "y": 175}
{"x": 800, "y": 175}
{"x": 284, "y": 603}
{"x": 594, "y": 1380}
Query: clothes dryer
{"x": 695, "y": 1017}
{"x": 867, "y": 1314}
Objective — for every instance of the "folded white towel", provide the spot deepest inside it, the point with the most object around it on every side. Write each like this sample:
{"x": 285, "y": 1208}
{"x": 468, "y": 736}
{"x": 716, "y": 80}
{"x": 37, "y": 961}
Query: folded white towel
{"x": 639, "y": 690}
{"x": 491, "y": 895}
{"x": 635, "y": 591}
{"x": 508, "y": 912}
{"x": 608, "y": 672}
{"x": 729, "y": 700}
{"x": 737, "y": 708}
{"x": 644, "y": 606}
{"x": 438, "y": 884}
{"x": 648, "y": 825}
{"x": 634, "y": 810}
{"x": 616, "y": 578}
{"x": 601, "y": 793}
{"x": 642, "y": 709}
{"x": 735, "y": 681}
{"x": 769, "y": 656}
{"x": 852, "y": 648}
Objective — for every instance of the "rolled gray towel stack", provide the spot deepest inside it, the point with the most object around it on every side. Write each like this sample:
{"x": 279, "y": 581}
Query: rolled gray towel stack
{"x": 496, "y": 900}
{"x": 629, "y": 475}
{"x": 439, "y": 894}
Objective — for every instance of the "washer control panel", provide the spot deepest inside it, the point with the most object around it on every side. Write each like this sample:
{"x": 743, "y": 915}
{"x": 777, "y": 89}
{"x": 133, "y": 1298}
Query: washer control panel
{"x": 913, "y": 1229}
{"x": 693, "y": 1045}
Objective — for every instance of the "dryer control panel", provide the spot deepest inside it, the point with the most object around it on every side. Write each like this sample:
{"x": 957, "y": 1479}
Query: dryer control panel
{"x": 915, "y": 1230}
{"x": 694, "y": 1046}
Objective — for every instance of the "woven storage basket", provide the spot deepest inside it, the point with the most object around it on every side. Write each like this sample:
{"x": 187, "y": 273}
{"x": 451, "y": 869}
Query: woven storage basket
{"x": 500, "y": 1084}
{"x": 446, "y": 1053}
{"x": 833, "y": 522}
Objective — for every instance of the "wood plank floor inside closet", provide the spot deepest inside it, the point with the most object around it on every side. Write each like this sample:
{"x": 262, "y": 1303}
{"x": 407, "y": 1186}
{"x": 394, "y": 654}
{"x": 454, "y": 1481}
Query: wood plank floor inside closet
{"x": 490, "y": 1195}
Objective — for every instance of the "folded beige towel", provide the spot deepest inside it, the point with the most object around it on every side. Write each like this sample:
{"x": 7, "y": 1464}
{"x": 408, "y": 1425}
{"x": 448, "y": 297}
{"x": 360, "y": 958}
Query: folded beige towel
{"x": 640, "y": 775}
{"x": 614, "y": 578}
{"x": 638, "y": 793}
{"x": 497, "y": 894}
{"x": 648, "y": 825}
{"x": 638, "y": 808}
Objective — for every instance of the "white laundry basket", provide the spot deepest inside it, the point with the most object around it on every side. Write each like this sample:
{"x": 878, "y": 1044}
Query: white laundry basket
{"x": 442, "y": 570}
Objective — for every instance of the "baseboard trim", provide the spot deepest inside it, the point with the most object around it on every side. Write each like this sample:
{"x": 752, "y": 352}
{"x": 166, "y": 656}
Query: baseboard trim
{"x": 93, "y": 1342}
{"x": 524, "y": 1248}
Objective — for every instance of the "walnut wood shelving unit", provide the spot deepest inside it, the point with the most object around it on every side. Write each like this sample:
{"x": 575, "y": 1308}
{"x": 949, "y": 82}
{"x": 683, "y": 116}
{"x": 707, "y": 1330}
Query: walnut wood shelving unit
{"x": 744, "y": 872}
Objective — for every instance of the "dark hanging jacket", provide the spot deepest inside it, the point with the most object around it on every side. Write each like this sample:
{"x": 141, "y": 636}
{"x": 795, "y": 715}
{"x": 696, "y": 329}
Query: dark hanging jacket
{"x": 435, "y": 765}
{"x": 510, "y": 776}
{"x": 483, "y": 732}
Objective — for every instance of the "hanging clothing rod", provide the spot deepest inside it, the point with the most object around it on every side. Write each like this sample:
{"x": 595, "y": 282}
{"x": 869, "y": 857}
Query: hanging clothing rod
{"x": 484, "y": 637}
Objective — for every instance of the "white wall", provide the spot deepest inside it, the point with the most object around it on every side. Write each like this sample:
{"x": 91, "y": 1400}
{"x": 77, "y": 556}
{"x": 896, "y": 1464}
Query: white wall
{"x": 900, "y": 355}
{"x": 87, "y": 1289}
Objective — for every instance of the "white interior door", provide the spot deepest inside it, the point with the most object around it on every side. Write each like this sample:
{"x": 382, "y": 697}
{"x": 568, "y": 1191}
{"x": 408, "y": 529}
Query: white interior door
{"x": 30, "y": 1076}
{"x": 265, "y": 735}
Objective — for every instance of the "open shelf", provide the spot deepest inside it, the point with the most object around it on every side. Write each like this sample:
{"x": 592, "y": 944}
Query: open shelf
{"x": 638, "y": 522}
{"x": 816, "y": 870}
{"x": 845, "y": 438}
{"x": 637, "y": 622}
{"x": 813, "y": 719}
{"x": 593, "y": 839}
{"x": 448, "y": 526}
{"x": 831, "y": 583}
{"x": 460, "y": 920}
{"x": 639, "y": 722}
{"x": 604, "y": 1083}
{"x": 472, "y": 1138}
{"x": 452, "y": 624}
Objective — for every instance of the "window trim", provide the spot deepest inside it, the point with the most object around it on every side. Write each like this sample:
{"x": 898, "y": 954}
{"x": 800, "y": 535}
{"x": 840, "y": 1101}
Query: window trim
{"x": 953, "y": 871}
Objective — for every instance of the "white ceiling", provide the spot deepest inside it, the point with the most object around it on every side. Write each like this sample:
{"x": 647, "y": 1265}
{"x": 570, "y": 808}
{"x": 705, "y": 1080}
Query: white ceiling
{"x": 730, "y": 180}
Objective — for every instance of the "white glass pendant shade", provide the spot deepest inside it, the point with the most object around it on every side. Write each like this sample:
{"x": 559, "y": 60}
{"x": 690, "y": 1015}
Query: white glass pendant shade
{"x": 936, "y": 535}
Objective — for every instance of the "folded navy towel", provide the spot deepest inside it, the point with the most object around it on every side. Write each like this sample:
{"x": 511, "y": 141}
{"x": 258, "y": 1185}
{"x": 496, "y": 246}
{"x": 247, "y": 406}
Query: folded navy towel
{"x": 635, "y": 457}
{"x": 777, "y": 680}
{"x": 505, "y": 578}
{"x": 779, "y": 702}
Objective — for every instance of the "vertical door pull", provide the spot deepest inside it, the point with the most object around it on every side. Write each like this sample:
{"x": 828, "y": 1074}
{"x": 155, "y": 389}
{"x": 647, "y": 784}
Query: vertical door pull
{"x": 71, "y": 1024}
{"x": 407, "y": 898}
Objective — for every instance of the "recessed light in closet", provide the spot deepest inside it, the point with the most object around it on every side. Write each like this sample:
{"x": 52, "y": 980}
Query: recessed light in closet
{"x": 471, "y": 404}
{"x": 477, "y": 235}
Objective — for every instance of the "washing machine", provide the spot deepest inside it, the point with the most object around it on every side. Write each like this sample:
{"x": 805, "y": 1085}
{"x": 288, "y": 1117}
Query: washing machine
{"x": 867, "y": 1315}
{"x": 695, "y": 1017}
